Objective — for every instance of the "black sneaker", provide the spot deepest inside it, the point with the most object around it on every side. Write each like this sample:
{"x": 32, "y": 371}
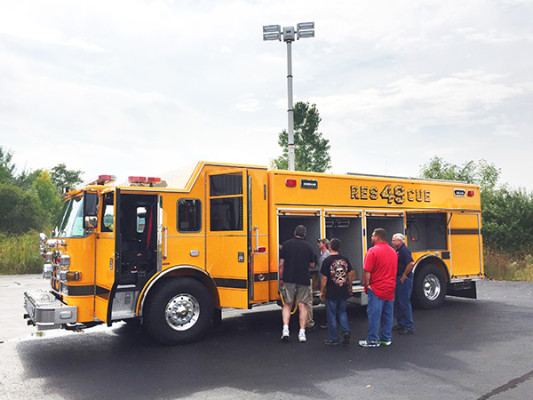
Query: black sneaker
{"x": 323, "y": 326}
{"x": 397, "y": 328}
{"x": 346, "y": 337}
{"x": 405, "y": 331}
{"x": 330, "y": 342}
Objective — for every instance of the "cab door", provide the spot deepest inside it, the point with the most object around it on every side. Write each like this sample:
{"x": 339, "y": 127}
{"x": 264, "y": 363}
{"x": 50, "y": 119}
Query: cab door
{"x": 258, "y": 275}
{"x": 105, "y": 256}
{"x": 227, "y": 240}
{"x": 127, "y": 252}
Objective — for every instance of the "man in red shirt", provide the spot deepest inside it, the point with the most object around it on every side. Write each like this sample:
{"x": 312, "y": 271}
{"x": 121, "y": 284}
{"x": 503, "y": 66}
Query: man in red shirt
{"x": 379, "y": 277}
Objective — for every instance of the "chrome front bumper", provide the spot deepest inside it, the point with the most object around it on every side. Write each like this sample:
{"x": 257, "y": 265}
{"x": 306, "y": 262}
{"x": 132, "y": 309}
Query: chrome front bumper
{"x": 45, "y": 311}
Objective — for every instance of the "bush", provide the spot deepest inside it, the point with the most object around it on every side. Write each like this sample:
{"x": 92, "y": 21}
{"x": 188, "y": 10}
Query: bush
{"x": 20, "y": 211}
{"x": 19, "y": 254}
{"x": 508, "y": 221}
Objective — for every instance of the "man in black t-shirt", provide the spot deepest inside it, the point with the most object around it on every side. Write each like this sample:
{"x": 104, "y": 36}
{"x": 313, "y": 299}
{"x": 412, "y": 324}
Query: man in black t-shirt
{"x": 337, "y": 278}
{"x": 296, "y": 257}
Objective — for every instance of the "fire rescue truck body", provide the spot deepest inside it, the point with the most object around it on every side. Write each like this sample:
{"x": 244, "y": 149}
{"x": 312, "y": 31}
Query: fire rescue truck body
{"x": 172, "y": 258}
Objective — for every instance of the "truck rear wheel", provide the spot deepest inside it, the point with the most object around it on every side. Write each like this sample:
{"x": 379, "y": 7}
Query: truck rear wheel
{"x": 180, "y": 310}
{"x": 429, "y": 287}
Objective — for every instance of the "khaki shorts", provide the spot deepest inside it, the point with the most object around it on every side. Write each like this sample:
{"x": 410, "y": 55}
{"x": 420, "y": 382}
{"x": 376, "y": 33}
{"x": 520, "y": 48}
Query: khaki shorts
{"x": 291, "y": 291}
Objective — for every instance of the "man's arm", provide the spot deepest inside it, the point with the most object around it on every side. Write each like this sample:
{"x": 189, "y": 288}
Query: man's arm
{"x": 366, "y": 279}
{"x": 323, "y": 282}
{"x": 312, "y": 263}
{"x": 280, "y": 271}
{"x": 407, "y": 271}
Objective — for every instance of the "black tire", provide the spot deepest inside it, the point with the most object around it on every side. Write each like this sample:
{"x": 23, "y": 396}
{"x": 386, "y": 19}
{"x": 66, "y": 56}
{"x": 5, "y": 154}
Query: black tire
{"x": 429, "y": 287}
{"x": 180, "y": 310}
{"x": 217, "y": 317}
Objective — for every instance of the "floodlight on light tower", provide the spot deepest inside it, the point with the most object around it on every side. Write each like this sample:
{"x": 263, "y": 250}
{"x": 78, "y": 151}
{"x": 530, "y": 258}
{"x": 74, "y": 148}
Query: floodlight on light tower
{"x": 289, "y": 34}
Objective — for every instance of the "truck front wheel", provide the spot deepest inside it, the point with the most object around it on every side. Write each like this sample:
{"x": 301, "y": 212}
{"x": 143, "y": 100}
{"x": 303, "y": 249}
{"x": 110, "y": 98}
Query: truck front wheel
{"x": 429, "y": 287}
{"x": 180, "y": 310}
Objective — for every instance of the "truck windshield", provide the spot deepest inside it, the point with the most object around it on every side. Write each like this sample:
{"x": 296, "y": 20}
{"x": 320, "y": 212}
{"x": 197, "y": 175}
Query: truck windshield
{"x": 72, "y": 225}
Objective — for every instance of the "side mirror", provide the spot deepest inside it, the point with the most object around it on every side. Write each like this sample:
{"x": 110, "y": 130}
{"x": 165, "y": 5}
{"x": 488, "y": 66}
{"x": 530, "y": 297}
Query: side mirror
{"x": 90, "y": 222}
{"x": 90, "y": 210}
{"x": 90, "y": 204}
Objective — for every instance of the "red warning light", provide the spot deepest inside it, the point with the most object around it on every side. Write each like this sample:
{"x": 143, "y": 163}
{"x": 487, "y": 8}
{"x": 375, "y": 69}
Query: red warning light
{"x": 290, "y": 182}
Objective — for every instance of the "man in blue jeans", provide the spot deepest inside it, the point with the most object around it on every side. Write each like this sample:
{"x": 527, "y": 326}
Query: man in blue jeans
{"x": 404, "y": 287}
{"x": 336, "y": 287}
{"x": 379, "y": 278}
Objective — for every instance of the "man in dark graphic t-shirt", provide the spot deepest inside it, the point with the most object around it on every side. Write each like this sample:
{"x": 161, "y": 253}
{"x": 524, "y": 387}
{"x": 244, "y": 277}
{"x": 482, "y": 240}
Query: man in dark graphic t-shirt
{"x": 337, "y": 278}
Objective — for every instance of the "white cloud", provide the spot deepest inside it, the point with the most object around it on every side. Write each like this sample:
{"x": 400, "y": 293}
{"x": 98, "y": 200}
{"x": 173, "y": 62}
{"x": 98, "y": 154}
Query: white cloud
{"x": 116, "y": 86}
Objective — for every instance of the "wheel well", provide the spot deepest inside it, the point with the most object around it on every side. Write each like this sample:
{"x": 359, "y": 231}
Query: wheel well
{"x": 180, "y": 271}
{"x": 432, "y": 260}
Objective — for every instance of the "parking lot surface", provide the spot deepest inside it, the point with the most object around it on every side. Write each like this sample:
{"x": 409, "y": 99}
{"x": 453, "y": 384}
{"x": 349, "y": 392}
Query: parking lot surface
{"x": 468, "y": 349}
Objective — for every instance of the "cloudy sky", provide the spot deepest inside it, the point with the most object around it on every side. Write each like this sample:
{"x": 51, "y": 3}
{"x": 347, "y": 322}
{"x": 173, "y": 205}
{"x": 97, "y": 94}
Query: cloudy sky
{"x": 142, "y": 87}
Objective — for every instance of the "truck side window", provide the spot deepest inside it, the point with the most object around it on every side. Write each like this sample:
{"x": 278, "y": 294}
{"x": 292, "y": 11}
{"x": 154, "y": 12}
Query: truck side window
{"x": 189, "y": 215}
{"x": 141, "y": 219}
{"x": 108, "y": 213}
{"x": 226, "y": 214}
{"x": 226, "y": 202}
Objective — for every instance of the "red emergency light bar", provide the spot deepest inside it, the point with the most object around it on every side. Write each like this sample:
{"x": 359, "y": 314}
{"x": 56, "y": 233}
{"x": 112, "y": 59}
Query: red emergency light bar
{"x": 103, "y": 180}
{"x": 142, "y": 180}
{"x": 136, "y": 179}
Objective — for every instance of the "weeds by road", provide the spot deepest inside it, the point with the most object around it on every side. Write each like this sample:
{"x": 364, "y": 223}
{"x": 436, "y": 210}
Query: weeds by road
{"x": 504, "y": 267}
{"x": 19, "y": 254}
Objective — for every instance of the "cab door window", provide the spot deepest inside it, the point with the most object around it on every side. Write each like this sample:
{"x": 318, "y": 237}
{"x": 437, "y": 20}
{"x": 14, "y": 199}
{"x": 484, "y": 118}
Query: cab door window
{"x": 226, "y": 202}
{"x": 108, "y": 213}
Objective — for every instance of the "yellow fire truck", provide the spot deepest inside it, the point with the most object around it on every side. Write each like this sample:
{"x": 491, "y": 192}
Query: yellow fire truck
{"x": 172, "y": 258}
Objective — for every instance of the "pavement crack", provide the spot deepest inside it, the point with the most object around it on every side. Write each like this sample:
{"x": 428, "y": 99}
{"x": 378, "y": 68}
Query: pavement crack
{"x": 509, "y": 385}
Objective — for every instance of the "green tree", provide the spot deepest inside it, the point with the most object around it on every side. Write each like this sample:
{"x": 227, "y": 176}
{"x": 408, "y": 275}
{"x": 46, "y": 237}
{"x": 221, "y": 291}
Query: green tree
{"x": 7, "y": 168}
{"x": 311, "y": 149}
{"x": 20, "y": 211}
{"x": 50, "y": 200}
{"x": 26, "y": 178}
{"x": 481, "y": 173}
{"x": 508, "y": 221}
{"x": 63, "y": 177}
{"x": 507, "y": 214}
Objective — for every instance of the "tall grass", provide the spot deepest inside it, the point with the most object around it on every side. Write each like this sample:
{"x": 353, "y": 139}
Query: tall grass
{"x": 505, "y": 267}
{"x": 19, "y": 254}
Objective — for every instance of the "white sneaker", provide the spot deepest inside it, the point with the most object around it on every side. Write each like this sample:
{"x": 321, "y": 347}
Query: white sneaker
{"x": 301, "y": 337}
{"x": 285, "y": 336}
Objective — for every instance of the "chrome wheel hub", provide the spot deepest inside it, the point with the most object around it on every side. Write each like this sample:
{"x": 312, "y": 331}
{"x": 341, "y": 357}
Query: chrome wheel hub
{"x": 182, "y": 312}
{"x": 431, "y": 287}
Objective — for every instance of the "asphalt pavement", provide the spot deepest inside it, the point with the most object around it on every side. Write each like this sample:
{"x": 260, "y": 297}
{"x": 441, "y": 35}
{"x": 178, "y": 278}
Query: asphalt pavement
{"x": 468, "y": 349}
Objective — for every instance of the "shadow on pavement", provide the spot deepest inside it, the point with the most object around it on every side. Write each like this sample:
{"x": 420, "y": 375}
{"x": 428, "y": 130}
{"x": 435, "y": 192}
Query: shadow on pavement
{"x": 245, "y": 354}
